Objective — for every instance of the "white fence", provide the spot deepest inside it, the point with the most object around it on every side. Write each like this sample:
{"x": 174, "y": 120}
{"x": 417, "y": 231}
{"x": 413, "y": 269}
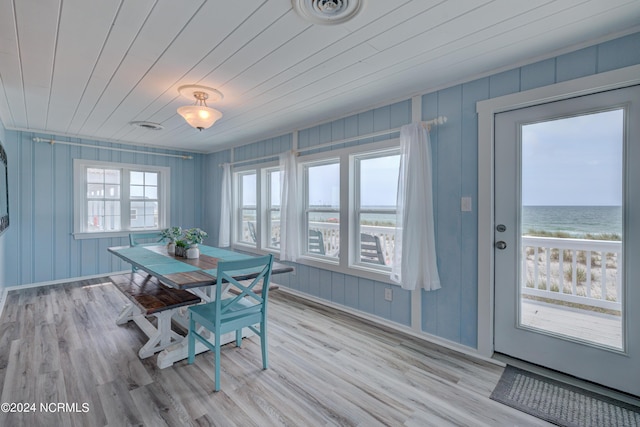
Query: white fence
{"x": 331, "y": 236}
{"x": 579, "y": 271}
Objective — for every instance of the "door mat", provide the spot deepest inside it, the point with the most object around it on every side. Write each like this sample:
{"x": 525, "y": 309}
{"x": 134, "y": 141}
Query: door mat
{"x": 562, "y": 404}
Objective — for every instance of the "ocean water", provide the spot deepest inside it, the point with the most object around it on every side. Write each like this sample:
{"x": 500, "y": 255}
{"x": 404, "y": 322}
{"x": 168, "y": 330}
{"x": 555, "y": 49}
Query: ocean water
{"x": 575, "y": 220}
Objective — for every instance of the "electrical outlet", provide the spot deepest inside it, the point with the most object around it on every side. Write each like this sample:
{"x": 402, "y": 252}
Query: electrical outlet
{"x": 465, "y": 204}
{"x": 388, "y": 294}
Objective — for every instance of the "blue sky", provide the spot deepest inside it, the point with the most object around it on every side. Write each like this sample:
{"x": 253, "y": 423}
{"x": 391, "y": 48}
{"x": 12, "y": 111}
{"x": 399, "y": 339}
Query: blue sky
{"x": 573, "y": 162}
{"x": 379, "y": 183}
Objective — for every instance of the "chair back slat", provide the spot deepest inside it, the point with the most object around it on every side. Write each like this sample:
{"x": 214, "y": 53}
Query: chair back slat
{"x": 237, "y": 305}
{"x": 137, "y": 239}
{"x": 371, "y": 249}
{"x": 316, "y": 242}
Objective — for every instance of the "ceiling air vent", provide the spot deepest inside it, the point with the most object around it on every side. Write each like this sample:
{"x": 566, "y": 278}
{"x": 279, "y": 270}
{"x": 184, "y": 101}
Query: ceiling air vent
{"x": 327, "y": 12}
{"x": 147, "y": 125}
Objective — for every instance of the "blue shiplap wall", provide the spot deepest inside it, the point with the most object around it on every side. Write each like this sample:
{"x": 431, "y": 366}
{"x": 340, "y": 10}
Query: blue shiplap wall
{"x": 41, "y": 203}
{"x": 450, "y": 312}
{"x": 213, "y": 181}
{"x": 358, "y": 293}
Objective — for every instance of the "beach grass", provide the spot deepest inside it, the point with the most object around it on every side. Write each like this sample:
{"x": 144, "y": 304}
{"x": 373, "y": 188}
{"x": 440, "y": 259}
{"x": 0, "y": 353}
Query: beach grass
{"x": 566, "y": 235}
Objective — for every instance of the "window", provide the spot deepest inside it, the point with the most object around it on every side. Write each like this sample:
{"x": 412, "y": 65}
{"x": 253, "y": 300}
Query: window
{"x": 376, "y": 189}
{"x": 112, "y": 199}
{"x": 273, "y": 208}
{"x": 143, "y": 197}
{"x": 362, "y": 179}
{"x": 103, "y": 200}
{"x": 246, "y": 218}
{"x": 322, "y": 208}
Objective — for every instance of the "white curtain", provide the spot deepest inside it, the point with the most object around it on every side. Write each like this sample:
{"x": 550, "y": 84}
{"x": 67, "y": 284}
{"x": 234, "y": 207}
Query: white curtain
{"x": 415, "y": 263}
{"x": 224, "y": 239}
{"x": 289, "y": 216}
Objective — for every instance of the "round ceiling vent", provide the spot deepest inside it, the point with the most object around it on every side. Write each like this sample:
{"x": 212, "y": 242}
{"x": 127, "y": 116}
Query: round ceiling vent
{"x": 147, "y": 125}
{"x": 327, "y": 12}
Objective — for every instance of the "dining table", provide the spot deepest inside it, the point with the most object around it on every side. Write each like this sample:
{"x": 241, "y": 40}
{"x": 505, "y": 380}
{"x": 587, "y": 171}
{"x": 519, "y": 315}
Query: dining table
{"x": 197, "y": 275}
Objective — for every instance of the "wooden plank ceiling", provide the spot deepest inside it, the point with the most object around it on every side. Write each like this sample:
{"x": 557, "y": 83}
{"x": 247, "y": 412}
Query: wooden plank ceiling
{"x": 85, "y": 69}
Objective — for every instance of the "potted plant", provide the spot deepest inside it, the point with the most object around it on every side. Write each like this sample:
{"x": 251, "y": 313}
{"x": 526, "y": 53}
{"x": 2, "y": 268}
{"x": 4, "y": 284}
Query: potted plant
{"x": 171, "y": 234}
{"x": 194, "y": 236}
{"x": 181, "y": 247}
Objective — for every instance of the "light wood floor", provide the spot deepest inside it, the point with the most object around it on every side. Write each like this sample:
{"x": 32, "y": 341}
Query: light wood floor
{"x": 61, "y": 344}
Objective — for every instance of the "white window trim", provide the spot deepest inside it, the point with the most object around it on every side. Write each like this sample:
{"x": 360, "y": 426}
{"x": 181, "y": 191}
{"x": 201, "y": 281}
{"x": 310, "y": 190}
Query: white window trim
{"x": 341, "y": 265}
{"x": 347, "y": 216}
{"x": 265, "y": 189}
{"x": 354, "y": 260}
{"x": 79, "y": 196}
{"x": 236, "y": 199}
{"x": 327, "y": 160}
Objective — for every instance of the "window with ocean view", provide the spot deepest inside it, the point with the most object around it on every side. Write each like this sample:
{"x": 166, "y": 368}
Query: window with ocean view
{"x": 322, "y": 208}
{"x": 376, "y": 180}
{"x": 363, "y": 179}
{"x": 273, "y": 208}
{"x": 571, "y": 222}
{"x": 246, "y": 217}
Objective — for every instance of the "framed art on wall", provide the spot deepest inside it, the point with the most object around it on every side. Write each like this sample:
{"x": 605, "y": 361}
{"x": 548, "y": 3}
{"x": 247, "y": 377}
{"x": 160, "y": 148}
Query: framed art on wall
{"x": 4, "y": 191}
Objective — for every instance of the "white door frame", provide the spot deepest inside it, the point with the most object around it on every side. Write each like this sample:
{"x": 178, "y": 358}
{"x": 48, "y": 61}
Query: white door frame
{"x": 487, "y": 110}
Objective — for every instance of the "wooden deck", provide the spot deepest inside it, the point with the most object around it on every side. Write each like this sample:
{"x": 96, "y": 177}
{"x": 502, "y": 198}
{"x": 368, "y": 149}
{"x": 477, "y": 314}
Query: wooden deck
{"x": 599, "y": 328}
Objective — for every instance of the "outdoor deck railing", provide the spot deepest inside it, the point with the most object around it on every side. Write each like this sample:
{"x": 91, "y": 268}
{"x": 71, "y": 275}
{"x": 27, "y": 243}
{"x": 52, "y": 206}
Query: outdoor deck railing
{"x": 331, "y": 236}
{"x": 570, "y": 270}
{"x": 578, "y": 271}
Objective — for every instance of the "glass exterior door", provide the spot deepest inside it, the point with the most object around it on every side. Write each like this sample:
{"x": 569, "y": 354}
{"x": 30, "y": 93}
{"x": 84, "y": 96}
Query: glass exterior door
{"x": 565, "y": 235}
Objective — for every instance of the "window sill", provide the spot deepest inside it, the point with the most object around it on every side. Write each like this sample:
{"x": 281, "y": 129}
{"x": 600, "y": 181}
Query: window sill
{"x": 109, "y": 234}
{"x": 328, "y": 264}
{"x": 354, "y": 270}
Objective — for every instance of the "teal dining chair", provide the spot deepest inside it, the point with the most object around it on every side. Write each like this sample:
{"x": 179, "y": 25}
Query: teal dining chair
{"x": 142, "y": 239}
{"x": 152, "y": 238}
{"x": 245, "y": 310}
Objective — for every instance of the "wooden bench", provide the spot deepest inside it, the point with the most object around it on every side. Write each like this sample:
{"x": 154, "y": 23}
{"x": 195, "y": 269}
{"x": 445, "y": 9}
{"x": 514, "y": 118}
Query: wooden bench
{"x": 149, "y": 297}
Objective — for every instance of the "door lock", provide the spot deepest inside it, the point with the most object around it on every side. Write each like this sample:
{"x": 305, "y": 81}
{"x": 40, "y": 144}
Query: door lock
{"x": 501, "y": 245}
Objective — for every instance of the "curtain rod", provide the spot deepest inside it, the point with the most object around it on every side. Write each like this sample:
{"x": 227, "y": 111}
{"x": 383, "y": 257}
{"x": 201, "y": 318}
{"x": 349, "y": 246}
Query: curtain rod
{"x": 77, "y": 144}
{"x": 440, "y": 120}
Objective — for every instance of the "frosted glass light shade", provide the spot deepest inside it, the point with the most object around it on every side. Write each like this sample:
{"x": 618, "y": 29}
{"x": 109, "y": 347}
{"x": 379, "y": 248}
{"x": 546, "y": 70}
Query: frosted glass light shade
{"x": 199, "y": 116}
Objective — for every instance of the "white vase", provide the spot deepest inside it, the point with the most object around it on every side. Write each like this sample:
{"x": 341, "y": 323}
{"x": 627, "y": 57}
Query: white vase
{"x": 193, "y": 252}
{"x": 171, "y": 248}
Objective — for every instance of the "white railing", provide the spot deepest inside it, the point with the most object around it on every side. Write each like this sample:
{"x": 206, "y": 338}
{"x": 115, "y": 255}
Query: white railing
{"x": 583, "y": 263}
{"x": 579, "y": 271}
{"x": 331, "y": 236}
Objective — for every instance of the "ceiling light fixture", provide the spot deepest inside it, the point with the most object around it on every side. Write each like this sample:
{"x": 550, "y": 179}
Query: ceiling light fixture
{"x": 199, "y": 115}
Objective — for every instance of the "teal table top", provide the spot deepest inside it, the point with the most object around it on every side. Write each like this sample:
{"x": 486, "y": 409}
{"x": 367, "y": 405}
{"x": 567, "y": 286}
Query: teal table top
{"x": 182, "y": 272}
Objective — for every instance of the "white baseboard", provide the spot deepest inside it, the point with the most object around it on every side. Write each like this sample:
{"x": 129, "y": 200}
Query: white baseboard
{"x": 5, "y": 291}
{"x": 451, "y": 345}
{"x": 3, "y": 298}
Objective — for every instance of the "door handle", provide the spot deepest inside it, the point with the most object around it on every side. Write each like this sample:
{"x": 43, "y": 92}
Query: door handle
{"x": 501, "y": 245}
